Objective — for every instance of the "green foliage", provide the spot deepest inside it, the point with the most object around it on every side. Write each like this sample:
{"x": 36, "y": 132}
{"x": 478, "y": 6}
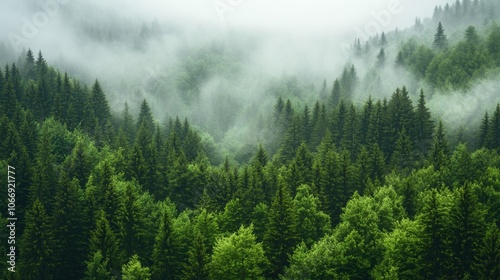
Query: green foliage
{"x": 133, "y": 270}
{"x": 281, "y": 235}
{"x": 238, "y": 256}
{"x": 37, "y": 245}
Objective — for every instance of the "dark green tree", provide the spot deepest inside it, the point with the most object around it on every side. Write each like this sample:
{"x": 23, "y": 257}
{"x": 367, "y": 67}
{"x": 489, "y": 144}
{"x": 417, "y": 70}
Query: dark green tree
{"x": 37, "y": 245}
{"x": 165, "y": 252}
{"x": 440, "y": 40}
{"x": 281, "y": 235}
{"x": 103, "y": 239}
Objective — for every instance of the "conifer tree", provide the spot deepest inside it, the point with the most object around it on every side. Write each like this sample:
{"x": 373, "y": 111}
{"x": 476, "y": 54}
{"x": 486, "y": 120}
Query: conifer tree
{"x": 99, "y": 104}
{"x": 131, "y": 223}
{"x": 133, "y": 270}
{"x": 146, "y": 117}
{"x": 424, "y": 127}
{"x": 281, "y": 235}
{"x": 402, "y": 157}
{"x": 165, "y": 252}
{"x": 196, "y": 267}
{"x": 37, "y": 245}
{"x": 98, "y": 268}
{"x": 468, "y": 227}
{"x": 434, "y": 240}
{"x": 486, "y": 134}
{"x": 69, "y": 226}
{"x": 103, "y": 239}
{"x": 438, "y": 156}
{"x": 487, "y": 264}
{"x": 440, "y": 40}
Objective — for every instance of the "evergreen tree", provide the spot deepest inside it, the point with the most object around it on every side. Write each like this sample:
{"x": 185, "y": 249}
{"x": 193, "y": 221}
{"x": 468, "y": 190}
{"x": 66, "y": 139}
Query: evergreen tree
{"x": 486, "y": 134}
{"x": 37, "y": 245}
{"x": 146, "y": 117}
{"x": 103, "y": 239}
{"x": 468, "y": 226}
{"x": 238, "y": 256}
{"x": 165, "y": 259}
{"x": 98, "y": 268}
{"x": 196, "y": 267}
{"x": 440, "y": 40}
{"x": 402, "y": 157}
{"x": 69, "y": 226}
{"x": 99, "y": 104}
{"x": 381, "y": 57}
{"x": 312, "y": 222}
{"x": 488, "y": 258}
{"x": 281, "y": 235}
{"x": 424, "y": 127}
{"x": 133, "y": 270}
{"x": 438, "y": 156}
{"x": 434, "y": 240}
{"x": 45, "y": 177}
{"x": 131, "y": 223}
{"x": 336, "y": 94}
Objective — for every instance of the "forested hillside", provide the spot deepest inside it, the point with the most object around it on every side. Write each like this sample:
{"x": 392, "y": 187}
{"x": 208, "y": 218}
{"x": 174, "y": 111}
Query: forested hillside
{"x": 346, "y": 181}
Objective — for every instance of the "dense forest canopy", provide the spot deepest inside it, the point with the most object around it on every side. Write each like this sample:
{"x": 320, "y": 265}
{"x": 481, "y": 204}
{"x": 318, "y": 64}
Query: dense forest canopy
{"x": 350, "y": 179}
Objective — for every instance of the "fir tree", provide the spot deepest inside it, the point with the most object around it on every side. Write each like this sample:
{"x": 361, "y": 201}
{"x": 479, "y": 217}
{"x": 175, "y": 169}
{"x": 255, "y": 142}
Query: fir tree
{"x": 440, "y": 40}
{"x": 165, "y": 259}
{"x": 281, "y": 235}
{"x": 37, "y": 245}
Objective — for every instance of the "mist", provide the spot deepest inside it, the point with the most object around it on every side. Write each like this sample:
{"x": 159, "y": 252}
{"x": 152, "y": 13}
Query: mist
{"x": 145, "y": 50}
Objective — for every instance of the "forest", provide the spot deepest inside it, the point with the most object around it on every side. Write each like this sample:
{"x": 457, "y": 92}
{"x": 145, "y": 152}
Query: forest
{"x": 339, "y": 182}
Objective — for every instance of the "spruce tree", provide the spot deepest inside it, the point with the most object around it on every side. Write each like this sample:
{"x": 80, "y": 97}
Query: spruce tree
{"x": 103, "y": 239}
{"x": 69, "y": 226}
{"x": 438, "y": 156}
{"x": 281, "y": 235}
{"x": 487, "y": 264}
{"x": 165, "y": 252}
{"x": 99, "y": 104}
{"x": 37, "y": 245}
{"x": 468, "y": 227}
{"x": 424, "y": 126}
{"x": 440, "y": 40}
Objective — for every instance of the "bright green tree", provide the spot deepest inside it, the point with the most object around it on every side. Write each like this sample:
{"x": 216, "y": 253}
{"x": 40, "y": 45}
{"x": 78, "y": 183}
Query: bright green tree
{"x": 238, "y": 256}
{"x": 133, "y": 270}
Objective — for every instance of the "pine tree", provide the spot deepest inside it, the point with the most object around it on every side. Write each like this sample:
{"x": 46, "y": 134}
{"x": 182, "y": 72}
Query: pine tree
{"x": 424, "y": 127}
{"x": 434, "y": 240}
{"x": 165, "y": 259}
{"x": 383, "y": 40}
{"x": 99, "y": 104}
{"x": 438, "y": 156}
{"x": 131, "y": 223}
{"x": 45, "y": 177}
{"x": 281, "y": 235}
{"x": 381, "y": 57}
{"x": 485, "y": 137}
{"x": 133, "y": 270}
{"x": 69, "y": 226}
{"x": 98, "y": 268}
{"x": 468, "y": 226}
{"x": 196, "y": 267}
{"x": 495, "y": 128}
{"x": 402, "y": 158}
{"x": 336, "y": 94}
{"x": 146, "y": 117}
{"x": 440, "y": 40}
{"x": 103, "y": 239}
{"x": 37, "y": 245}
{"x": 488, "y": 259}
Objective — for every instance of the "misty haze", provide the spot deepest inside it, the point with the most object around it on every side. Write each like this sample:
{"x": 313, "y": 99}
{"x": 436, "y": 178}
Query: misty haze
{"x": 238, "y": 139}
